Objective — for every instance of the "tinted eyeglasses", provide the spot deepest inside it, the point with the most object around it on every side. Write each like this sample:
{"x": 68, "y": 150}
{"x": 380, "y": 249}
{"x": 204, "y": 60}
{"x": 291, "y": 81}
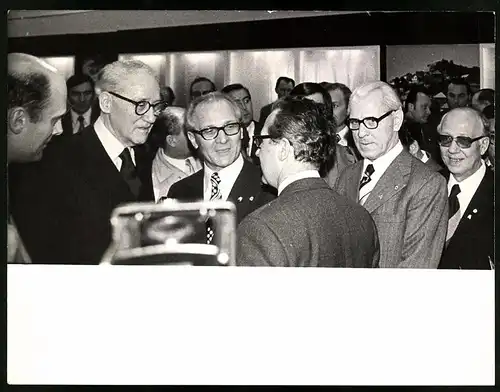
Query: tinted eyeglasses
{"x": 211, "y": 133}
{"x": 258, "y": 139}
{"x": 462, "y": 141}
{"x": 370, "y": 122}
{"x": 142, "y": 107}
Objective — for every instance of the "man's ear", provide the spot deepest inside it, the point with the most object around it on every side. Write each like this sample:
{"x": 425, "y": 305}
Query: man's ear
{"x": 398, "y": 119}
{"x": 105, "y": 102}
{"x": 192, "y": 139}
{"x": 485, "y": 143}
{"x": 285, "y": 149}
{"x": 17, "y": 120}
{"x": 171, "y": 140}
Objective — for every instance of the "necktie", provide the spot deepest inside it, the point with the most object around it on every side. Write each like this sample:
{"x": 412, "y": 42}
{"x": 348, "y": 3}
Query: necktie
{"x": 81, "y": 120}
{"x": 214, "y": 195}
{"x": 189, "y": 167}
{"x": 129, "y": 172}
{"x": 453, "y": 212}
{"x": 337, "y": 138}
{"x": 366, "y": 176}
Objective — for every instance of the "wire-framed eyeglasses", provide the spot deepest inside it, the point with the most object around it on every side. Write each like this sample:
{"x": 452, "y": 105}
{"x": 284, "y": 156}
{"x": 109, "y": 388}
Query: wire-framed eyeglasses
{"x": 211, "y": 133}
{"x": 462, "y": 141}
{"x": 370, "y": 122}
{"x": 142, "y": 107}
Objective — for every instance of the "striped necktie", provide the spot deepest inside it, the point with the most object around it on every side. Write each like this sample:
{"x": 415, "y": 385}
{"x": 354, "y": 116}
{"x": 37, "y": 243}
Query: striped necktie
{"x": 453, "y": 212}
{"x": 214, "y": 195}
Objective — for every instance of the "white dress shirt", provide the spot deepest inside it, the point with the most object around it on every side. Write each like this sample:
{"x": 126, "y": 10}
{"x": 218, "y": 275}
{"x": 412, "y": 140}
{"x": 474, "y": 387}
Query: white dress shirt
{"x": 111, "y": 144}
{"x": 468, "y": 187}
{"x": 297, "y": 176}
{"x": 228, "y": 177}
{"x": 74, "y": 119}
{"x": 343, "y": 136}
{"x": 251, "y": 132}
{"x": 380, "y": 165}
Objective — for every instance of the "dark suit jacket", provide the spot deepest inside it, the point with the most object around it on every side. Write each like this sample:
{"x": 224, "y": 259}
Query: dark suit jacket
{"x": 246, "y": 140}
{"x": 473, "y": 240}
{"x": 63, "y": 205}
{"x": 309, "y": 225}
{"x": 265, "y": 111}
{"x": 67, "y": 126}
{"x": 247, "y": 193}
{"x": 409, "y": 205}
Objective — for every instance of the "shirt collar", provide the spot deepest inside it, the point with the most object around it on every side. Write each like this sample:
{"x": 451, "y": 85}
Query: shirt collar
{"x": 251, "y": 128}
{"x": 75, "y": 115}
{"x": 381, "y": 164}
{"x": 471, "y": 182}
{"x": 343, "y": 136}
{"x": 228, "y": 175}
{"x": 110, "y": 143}
{"x": 297, "y": 176}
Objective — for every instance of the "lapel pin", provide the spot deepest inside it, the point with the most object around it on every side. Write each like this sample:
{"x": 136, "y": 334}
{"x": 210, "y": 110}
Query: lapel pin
{"x": 474, "y": 211}
{"x": 380, "y": 196}
{"x": 240, "y": 199}
{"x": 250, "y": 198}
{"x": 469, "y": 216}
{"x": 396, "y": 187}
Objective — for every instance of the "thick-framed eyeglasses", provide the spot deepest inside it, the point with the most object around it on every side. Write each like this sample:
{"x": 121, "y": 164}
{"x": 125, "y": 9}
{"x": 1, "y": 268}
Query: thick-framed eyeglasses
{"x": 462, "y": 141}
{"x": 142, "y": 107}
{"x": 211, "y": 133}
{"x": 370, "y": 122}
{"x": 259, "y": 139}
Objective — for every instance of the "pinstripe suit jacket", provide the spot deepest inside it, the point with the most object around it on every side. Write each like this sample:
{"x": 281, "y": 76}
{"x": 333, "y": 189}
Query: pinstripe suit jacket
{"x": 409, "y": 207}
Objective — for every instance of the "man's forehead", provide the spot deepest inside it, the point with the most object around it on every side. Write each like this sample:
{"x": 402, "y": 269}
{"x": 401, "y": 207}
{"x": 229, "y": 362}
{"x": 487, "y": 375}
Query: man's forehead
{"x": 241, "y": 93}
{"x": 85, "y": 86}
{"x": 284, "y": 84}
{"x": 457, "y": 87}
{"x": 202, "y": 84}
{"x": 370, "y": 102}
{"x": 423, "y": 97}
{"x": 462, "y": 122}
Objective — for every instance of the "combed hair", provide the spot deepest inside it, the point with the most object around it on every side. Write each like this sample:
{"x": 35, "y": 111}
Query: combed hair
{"x": 285, "y": 79}
{"x": 77, "y": 79}
{"x": 215, "y": 96}
{"x": 480, "y": 119}
{"x": 113, "y": 75}
{"x": 201, "y": 79}
{"x": 301, "y": 121}
{"x": 235, "y": 87}
{"x": 390, "y": 98}
{"x": 305, "y": 89}
{"x": 346, "y": 91}
{"x": 486, "y": 95}
{"x": 30, "y": 91}
{"x": 412, "y": 95}
{"x": 169, "y": 90}
{"x": 460, "y": 82}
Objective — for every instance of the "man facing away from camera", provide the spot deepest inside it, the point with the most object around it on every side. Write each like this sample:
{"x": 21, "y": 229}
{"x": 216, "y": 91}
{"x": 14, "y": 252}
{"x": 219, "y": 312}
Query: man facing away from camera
{"x": 309, "y": 224}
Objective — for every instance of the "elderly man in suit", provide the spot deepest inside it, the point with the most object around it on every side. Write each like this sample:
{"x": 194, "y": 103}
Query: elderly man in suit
{"x": 406, "y": 199}
{"x": 284, "y": 86}
{"x": 309, "y": 224}
{"x": 36, "y": 101}
{"x": 83, "y": 109}
{"x": 214, "y": 127}
{"x": 242, "y": 96}
{"x": 174, "y": 160}
{"x": 470, "y": 239}
{"x": 68, "y": 220}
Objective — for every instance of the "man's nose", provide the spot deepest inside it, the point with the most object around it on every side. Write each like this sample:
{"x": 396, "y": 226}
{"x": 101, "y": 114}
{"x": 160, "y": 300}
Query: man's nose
{"x": 222, "y": 137}
{"x": 454, "y": 147}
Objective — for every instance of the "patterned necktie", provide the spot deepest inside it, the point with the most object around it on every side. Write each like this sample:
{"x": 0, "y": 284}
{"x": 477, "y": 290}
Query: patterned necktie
{"x": 189, "y": 167}
{"x": 214, "y": 195}
{"x": 81, "y": 120}
{"x": 453, "y": 212}
{"x": 367, "y": 176}
{"x": 337, "y": 138}
{"x": 129, "y": 172}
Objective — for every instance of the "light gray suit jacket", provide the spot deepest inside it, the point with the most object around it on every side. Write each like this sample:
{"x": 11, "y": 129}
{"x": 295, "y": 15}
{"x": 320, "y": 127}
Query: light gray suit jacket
{"x": 409, "y": 205}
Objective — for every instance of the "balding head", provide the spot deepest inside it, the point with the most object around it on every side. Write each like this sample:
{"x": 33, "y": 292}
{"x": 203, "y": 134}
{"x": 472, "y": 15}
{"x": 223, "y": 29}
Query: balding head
{"x": 463, "y": 140}
{"x": 170, "y": 128}
{"x": 36, "y": 101}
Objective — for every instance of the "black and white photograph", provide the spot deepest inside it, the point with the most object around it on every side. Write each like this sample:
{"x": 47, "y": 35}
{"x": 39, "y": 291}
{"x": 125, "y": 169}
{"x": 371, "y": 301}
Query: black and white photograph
{"x": 148, "y": 150}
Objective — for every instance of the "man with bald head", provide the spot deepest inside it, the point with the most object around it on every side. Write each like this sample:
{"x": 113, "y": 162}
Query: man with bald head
{"x": 407, "y": 200}
{"x": 97, "y": 169}
{"x": 463, "y": 139}
{"x": 174, "y": 159}
{"x": 36, "y": 101}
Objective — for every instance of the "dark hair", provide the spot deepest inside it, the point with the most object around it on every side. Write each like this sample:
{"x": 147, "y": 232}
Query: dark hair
{"x": 167, "y": 123}
{"x": 486, "y": 95}
{"x": 77, "y": 79}
{"x": 302, "y": 123}
{"x": 412, "y": 95}
{"x": 170, "y": 92}
{"x": 29, "y": 91}
{"x": 201, "y": 79}
{"x": 406, "y": 137}
{"x": 346, "y": 91}
{"x": 459, "y": 82}
{"x": 489, "y": 112}
{"x": 234, "y": 87}
{"x": 284, "y": 79}
{"x": 305, "y": 89}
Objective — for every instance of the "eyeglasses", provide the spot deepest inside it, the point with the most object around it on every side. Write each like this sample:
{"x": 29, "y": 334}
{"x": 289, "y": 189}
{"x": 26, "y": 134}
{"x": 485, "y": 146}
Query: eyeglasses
{"x": 196, "y": 94}
{"x": 462, "y": 141}
{"x": 259, "y": 139}
{"x": 370, "y": 122}
{"x": 142, "y": 107}
{"x": 211, "y": 133}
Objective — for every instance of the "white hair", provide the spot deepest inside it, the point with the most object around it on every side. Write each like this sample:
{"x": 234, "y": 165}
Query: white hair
{"x": 479, "y": 120}
{"x": 113, "y": 76}
{"x": 390, "y": 98}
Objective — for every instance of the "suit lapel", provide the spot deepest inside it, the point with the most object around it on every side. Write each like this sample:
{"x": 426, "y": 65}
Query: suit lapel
{"x": 66, "y": 125}
{"x": 246, "y": 188}
{"x": 352, "y": 187}
{"x": 392, "y": 181}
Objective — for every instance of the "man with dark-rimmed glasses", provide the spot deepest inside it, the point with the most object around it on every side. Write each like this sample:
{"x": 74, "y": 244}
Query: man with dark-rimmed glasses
{"x": 406, "y": 199}
{"x": 214, "y": 128}
{"x": 96, "y": 170}
{"x": 463, "y": 139}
